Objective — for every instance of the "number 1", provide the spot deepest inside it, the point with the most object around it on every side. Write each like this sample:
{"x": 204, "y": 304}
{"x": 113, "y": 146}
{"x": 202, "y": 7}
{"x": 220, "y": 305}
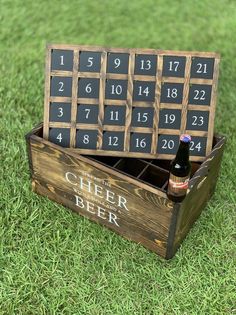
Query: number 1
{"x": 62, "y": 61}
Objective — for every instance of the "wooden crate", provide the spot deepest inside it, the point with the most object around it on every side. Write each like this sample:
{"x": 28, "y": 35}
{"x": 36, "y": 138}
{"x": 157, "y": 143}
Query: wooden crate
{"x": 126, "y": 195}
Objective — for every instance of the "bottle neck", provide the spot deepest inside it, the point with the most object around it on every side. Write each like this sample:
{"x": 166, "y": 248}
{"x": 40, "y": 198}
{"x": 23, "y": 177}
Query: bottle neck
{"x": 183, "y": 152}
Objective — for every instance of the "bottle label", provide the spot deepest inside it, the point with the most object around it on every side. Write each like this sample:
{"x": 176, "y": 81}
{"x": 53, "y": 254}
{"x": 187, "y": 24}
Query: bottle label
{"x": 178, "y": 185}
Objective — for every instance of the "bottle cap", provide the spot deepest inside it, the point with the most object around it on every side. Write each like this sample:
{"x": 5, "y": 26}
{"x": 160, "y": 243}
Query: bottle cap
{"x": 185, "y": 138}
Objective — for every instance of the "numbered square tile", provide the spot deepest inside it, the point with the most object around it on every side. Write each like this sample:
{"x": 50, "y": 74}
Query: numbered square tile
{"x": 142, "y": 117}
{"x": 116, "y": 89}
{"x": 172, "y": 93}
{"x": 60, "y": 136}
{"x": 168, "y": 144}
{"x": 140, "y": 142}
{"x": 114, "y": 115}
{"x": 173, "y": 66}
{"x": 197, "y": 120}
{"x": 198, "y": 146}
{"x": 88, "y": 88}
{"x": 169, "y": 118}
{"x": 117, "y": 63}
{"x": 86, "y": 139}
{"x": 113, "y": 141}
{"x": 145, "y": 65}
{"x": 61, "y": 86}
{"x": 89, "y": 61}
{"x": 60, "y": 112}
{"x": 87, "y": 114}
{"x": 62, "y": 60}
{"x": 202, "y": 67}
{"x": 200, "y": 94}
{"x": 144, "y": 91}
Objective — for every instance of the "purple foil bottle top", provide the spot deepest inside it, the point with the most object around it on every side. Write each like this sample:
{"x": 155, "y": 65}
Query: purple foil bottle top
{"x": 185, "y": 138}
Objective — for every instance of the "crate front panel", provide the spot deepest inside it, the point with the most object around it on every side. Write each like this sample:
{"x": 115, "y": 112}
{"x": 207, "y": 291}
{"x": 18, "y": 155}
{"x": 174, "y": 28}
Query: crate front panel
{"x": 102, "y": 194}
{"x": 130, "y": 102}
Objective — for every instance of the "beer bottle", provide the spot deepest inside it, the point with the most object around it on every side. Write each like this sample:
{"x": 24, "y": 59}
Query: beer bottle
{"x": 180, "y": 169}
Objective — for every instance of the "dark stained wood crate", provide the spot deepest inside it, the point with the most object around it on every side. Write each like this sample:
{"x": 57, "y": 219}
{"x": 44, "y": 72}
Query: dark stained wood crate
{"x": 126, "y": 195}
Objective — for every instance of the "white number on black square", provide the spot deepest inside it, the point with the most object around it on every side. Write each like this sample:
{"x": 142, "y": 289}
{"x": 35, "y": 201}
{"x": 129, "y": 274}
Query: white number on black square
{"x": 61, "y": 86}
{"x": 145, "y": 65}
{"x": 86, "y": 139}
{"x": 172, "y": 93}
{"x": 62, "y": 60}
{"x": 144, "y": 91}
{"x": 173, "y": 66}
{"x": 199, "y": 94}
{"x": 142, "y": 117}
{"x": 60, "y": 112}
{"x": 113, "y": 141}
{"x": 140, "y": 142}
{"x": 202, "y": 67}
{"x": 197, "y": 120}
{"x": 88, "y": 88}
{"x": 198, "y": 146}
{"x": 60, "y": 136}
{"x": 89, "y": 61}
{"x": 116, "y": 89}
{"x": 117, "y": 63}
{"x": 168, "y": 144}
{"x": 87, "y": 114}
{"x": 114, "y": 115}
{"x": 169, "y": 118}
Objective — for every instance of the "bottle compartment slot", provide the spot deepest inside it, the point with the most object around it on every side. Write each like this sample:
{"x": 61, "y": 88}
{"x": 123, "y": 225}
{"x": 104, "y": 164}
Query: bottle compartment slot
{"x": 155, "y": 176}
{"x": 131, "y": 166}
{"x": 106, "y": 160}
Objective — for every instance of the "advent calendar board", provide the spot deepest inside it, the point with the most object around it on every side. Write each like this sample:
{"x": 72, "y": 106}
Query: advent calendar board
{"x": 130, "y": 102}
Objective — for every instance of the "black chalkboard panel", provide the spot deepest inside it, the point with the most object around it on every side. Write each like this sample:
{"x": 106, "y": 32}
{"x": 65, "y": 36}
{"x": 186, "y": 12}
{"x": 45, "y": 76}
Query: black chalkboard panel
{"x": 88, "y": 88}
{"x": 62, "y": 60}
{"x": 198, "y": 146}
{"x": 116, "y": 89}
{"x": 140, "y": 142}
{"x": 172, "y": 93}
{"x": 87, "y": 114}
{"x": 90, "y": 61}
{"x": 117, "y": 63}
{"x": 61, "y": 86}
{"x": 113, "y": 140}
{"x": 144, "y": 91}
{"x": 86, "y": 139}
{"x": 199, "y": 94}
{"x": 174, "y": 66}
{"x": 168, "y": 144}
{"x": 114, "y": 115}
{"x": 197, "y": 120}
{"x": 170, "y": 118}
{"x": 60, "y": 112}
{"x": 60, "y": 136}
{"x": 145, "y": 65}
{"x": 142, "y": 117}
{"x": 202, "y": 67}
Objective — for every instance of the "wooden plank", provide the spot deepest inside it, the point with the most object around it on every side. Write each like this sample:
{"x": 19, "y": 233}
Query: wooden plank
{"x": 202, "y": 186}
{"x": 74, "y": 98}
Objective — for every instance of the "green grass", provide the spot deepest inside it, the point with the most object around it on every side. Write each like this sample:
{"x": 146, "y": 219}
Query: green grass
{"x": 55, "y": 262}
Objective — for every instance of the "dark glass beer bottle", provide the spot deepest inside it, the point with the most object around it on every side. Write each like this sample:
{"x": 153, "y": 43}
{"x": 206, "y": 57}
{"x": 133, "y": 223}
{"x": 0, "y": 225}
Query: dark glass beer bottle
{"x": 180, "y": 169}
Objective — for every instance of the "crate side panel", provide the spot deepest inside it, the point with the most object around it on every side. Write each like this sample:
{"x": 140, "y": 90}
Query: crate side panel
{"x": 126, "y": 208}
{"x": 203, "y": 186}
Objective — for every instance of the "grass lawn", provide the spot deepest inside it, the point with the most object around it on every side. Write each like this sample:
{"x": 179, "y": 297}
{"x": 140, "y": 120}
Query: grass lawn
{"x": 53, "y": 261}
